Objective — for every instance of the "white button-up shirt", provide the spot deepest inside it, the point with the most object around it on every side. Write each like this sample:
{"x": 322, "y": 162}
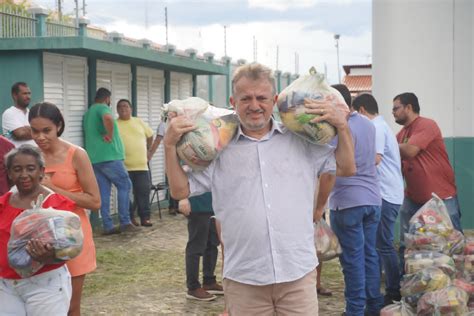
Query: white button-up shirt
{"x": 263, "y": 194}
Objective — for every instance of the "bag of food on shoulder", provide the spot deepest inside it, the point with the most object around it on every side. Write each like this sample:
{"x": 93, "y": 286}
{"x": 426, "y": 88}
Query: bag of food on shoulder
{"x": 326, "y": 242}
{"x": 215, "y": 129}
{"x": 62, "y": 229}
{"x": 291, "y": 107}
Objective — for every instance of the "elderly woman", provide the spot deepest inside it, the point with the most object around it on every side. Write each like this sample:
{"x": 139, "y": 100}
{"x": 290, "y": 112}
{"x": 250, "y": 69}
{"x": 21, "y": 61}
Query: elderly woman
{"x": 48, "y": 291}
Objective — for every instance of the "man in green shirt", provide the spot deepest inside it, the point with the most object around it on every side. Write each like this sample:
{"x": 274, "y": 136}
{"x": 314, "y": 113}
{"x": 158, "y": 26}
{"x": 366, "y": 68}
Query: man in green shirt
{"x": 106, "y": 152}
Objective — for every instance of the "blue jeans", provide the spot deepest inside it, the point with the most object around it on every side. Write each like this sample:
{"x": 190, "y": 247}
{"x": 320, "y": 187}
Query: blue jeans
{"x": 385, "y": 248}
{"x": 409, "y": 209}
{"x": 356, "y": 229}
{"x": 109, "y": 172}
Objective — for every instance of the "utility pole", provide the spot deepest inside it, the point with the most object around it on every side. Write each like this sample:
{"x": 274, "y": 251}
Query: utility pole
{"x": 84, "y": 7}
{"x": 225, "y": 40}
{"x": 60, "y": 10}
{"x": 337, "y": 37}
{"x": 297, "y": 63}
{"x": 166, "y": 24}
{"x": 77, "y": 12}
{"x": 277, "y": 56}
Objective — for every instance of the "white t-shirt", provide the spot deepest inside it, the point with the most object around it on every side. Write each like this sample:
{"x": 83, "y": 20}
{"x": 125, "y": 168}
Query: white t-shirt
{"x": 12, "y": 119}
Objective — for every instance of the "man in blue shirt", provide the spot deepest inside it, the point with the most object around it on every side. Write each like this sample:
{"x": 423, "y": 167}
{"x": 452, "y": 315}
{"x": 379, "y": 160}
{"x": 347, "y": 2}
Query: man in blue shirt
{"x": 388, "y": 163}
{"x": 355, "y": 215}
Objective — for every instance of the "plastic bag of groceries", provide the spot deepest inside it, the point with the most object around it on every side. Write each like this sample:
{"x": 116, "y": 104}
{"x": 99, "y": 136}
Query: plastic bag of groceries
{"x": 327, "y": 244}
{"x": 62, "y": 229}
{"x": 448, "y": 301}
{"x": 398, "y": 309}
{"x": 465, "y": 285}
{"x": 426, "y": 280}
{"x": 469, "y": 246}
{"x": 432, "y": 217}
{"x": 464, "y": 267}
{"x": 215, "y": 128}
{"x": 419, "y": 260}
{"x": 456, "y": 242}
{"x": 426, "y": 241}
{"x": 292, "y": 110}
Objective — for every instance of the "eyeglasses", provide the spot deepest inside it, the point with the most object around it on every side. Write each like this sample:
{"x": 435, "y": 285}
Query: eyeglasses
{"x": 396, "y": 108}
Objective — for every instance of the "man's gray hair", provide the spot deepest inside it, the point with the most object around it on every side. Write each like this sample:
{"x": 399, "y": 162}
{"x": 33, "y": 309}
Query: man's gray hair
{"x": 253, "y": 71}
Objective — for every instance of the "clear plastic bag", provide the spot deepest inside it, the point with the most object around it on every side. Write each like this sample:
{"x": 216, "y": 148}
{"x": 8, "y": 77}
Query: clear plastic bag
{"x": 426, "y": 280}
{"x": 432, "y": 217}
{"x": 215, "y": 129}
{"x": 448, "y": 301}
{"x": 469, "y": 246}
{"x": 61, "y": 229}
{"x": 464, "y": 267}
{"x": 292, "y": 110}
{"x": 419, "y": 260}
{"x": 398, "y": 309}
{"x": 327, "y": 244}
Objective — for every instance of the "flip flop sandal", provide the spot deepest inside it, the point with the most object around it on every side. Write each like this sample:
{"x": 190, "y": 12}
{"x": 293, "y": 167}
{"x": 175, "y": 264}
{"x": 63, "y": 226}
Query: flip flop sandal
{"x": 324, "y": 292}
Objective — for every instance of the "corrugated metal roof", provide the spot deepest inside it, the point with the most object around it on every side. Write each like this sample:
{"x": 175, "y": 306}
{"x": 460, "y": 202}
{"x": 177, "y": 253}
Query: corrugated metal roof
{"x": 358, "y": 83}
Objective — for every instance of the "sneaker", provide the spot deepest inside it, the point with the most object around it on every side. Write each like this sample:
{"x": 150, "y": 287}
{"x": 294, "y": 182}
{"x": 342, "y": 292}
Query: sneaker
{"x": 129, "y": 228}
{"x": 200, "y": 294}
{"x": 112, "y": 231}
{"x": 215, "y": 289}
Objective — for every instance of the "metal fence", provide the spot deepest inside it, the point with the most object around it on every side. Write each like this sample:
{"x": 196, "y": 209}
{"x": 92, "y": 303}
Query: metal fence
{"x": 58, "y": 28}
{"x": 16, "y": 23}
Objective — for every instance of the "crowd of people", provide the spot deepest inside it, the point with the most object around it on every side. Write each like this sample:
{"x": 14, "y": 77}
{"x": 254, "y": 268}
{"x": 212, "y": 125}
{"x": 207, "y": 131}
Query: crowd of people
{"x": 260, "y": 197}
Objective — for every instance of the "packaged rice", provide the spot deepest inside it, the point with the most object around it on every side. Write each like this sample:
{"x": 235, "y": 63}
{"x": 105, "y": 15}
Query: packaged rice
{"x": 61, "y": 229}
{"x": 398, "y": 309}
{"x": 327, "y": 244}
{"x": 448, "y": 301}
{"x": 292, "y": 109}
{"x": 215, "y": 129}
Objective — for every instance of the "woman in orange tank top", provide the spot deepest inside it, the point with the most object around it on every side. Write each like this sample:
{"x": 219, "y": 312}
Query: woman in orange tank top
{"x": 68, "y": 172}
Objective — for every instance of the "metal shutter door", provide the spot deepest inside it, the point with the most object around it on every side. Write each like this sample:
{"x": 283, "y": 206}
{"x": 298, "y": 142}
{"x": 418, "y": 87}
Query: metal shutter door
{"x": 65, "y": 85}
{"x": 150, "y": 91}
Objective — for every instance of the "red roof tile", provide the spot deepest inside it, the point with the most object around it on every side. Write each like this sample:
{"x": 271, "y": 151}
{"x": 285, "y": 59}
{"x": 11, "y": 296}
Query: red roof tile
{"x": 358, "y": 83}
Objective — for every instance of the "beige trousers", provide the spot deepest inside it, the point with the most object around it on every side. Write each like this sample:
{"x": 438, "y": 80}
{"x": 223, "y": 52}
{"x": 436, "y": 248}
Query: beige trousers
{"x": 290, "y": 298}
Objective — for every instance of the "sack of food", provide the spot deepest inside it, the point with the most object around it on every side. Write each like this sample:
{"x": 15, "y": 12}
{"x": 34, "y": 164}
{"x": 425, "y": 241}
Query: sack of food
{"x": 419, "y": 260}
{"x": 61, "y": 229}
{"x": 398, "y": 309}
{"x": 291, "y": 107}
{"x": 215, "y": 129}
{"x": 432, "y": 217}
{"x": 426, "y": 241}
{"x": 469, "y": 246}
{"x": 464, "y": 267}
{"x": 426, "y": 280}
{"x": 327, "y": 244}
{"x": 456, "y": 242}
{"x": 448, "y": 301}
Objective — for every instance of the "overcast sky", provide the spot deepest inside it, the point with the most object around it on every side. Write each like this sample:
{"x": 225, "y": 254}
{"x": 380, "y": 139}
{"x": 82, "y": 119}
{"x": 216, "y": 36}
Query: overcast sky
{"x": 306, "y": 27}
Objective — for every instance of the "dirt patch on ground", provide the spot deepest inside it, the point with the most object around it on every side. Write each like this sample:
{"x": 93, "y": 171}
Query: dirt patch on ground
{"x": 143, "y": 274}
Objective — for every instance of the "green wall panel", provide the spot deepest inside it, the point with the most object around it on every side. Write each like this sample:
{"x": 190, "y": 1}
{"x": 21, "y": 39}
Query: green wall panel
{"x": 26, "y": 66}
{"x": 463, "y": 162}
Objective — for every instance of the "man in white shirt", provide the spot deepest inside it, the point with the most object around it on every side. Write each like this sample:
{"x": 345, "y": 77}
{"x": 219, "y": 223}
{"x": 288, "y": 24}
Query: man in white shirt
{"x": 15, "y": 119}
{"x": 263, "y": 186}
